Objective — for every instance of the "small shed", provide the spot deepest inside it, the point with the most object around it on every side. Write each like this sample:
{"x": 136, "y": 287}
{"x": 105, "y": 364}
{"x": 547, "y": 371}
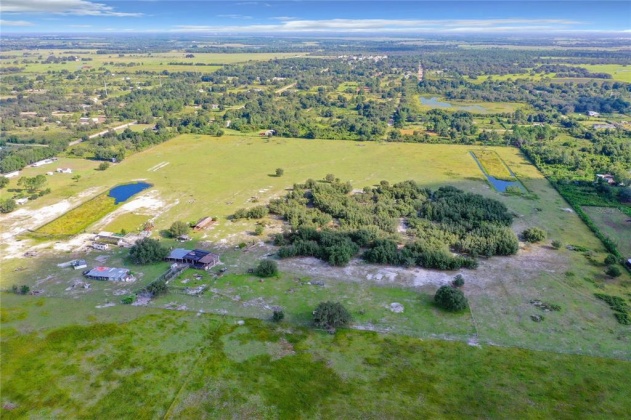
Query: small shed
{"x": 203, "y": 223}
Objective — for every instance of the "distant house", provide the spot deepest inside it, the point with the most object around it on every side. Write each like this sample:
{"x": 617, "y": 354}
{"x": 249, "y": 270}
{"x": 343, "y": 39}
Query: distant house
{"x": 109, "y": 274}
{"x": 183, "y": 238}
{"x": 88, "y": 120}
{"x": 214, "y": 106}
{"x": 100, "y": 247}
{"x": 593, "y": 114}
{"x": 196, "y": 258}
{"x": 21, "y": 201}
{"x": 203, "y": 223}
{"x": 64, "y": 170}
{"x": 608, "y": 178}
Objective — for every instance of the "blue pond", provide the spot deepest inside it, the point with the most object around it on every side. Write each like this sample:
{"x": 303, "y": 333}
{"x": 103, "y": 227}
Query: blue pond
{"x": 122, "y": 193}
{"x": 435, "y": 103}
{"x": 500, "y": 184}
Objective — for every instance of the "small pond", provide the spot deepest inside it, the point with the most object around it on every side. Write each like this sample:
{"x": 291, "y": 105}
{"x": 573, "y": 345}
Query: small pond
{"x": 122, "y": 193}
{"x": 434, "y": 102}
{"x": 500, "y": 184}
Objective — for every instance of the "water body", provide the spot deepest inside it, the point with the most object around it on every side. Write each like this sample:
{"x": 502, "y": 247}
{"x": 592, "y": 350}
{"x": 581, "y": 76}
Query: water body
{"x": 434, "y": 102}
{"x": 500, "y": 184}
{"x": 123, "y": 192}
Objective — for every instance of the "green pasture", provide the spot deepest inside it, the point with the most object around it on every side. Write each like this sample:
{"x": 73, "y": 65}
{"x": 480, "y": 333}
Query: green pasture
{"x": 614, "y": 224}
{"x": 126, "y": 361}
{"x": 156, "y": 62}
{"x": 129, "y": 222}
{"x": 619, "y": 72}
{"x": 493, "y": 165}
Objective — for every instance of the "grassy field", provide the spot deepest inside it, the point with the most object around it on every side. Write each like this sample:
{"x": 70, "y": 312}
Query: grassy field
{"x": 493, "y": 165}
{"x": 129, "y": 222}
{"x": 145, "y": 364}
{"x": 619, "y": 72}
{"x": 156, "y": 62}
{"x": 79, "y": 218}
{"x": 614, "y": 224}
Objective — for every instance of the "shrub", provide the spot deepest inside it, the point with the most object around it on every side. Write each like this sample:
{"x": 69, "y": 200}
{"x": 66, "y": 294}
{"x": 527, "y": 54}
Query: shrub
{"x": 458, "y": 281}
{"x": 278, "y": 316}
{"x": 280, "y": 172}
{"x": 331, "y": 315}
{"x": 450, "y": 299}
{"x": 178, "y": 229}
{"x": 556, "y": 244}
{"x": 258, "y": 230}
{"x": 610, "y": 259}
{"x": 147, "y": 250}
{"x": 533, "y": 235}
{"x": 266, "y": 268}
{"x": 103, "y": 166}
{"x": 613, "y": 271}
{"x": 128, "y": 300}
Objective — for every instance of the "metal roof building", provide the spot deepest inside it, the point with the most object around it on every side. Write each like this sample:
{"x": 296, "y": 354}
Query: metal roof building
{"x": 109, "y": 274}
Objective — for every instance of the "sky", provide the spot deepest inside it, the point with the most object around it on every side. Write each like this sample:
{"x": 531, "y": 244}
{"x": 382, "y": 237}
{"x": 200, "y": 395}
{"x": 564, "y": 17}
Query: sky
{"x": 322, "y": 16}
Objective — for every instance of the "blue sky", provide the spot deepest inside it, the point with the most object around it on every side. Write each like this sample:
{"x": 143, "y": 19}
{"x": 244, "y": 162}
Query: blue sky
{"x": 361, "y": 17}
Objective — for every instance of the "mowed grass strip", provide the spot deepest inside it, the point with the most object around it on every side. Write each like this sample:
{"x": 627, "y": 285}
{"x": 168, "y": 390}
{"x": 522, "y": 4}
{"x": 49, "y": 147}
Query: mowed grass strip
{"x": 493, "y": 165}
{"x": 184, "y": 365}
{"x": 79, "y": 218}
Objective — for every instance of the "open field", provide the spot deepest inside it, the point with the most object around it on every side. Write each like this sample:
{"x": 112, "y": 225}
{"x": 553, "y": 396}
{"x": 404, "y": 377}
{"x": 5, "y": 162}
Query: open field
{"x": 129, "y": 222}
{"x": 614, "y": 224}
{"x": 231, "y": 171}
{"x": 187, "y": 365}
{"x": 619, "y": 72}
{"x": 79, "y": 218}
{"x": 155, "y": 62}
{"x": 493, "y": 165}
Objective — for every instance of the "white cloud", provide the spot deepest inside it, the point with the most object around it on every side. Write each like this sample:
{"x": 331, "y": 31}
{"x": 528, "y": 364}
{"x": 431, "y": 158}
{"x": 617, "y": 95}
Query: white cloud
{"x": 391, "y": 25}
{"x": 64, "y": 7}
{"x": 15, "y": 23}
{"x": 234, "y": 16}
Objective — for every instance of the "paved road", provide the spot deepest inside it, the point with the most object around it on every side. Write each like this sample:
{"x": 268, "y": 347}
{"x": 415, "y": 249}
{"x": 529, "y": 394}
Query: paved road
{"x": 100, "y": 133}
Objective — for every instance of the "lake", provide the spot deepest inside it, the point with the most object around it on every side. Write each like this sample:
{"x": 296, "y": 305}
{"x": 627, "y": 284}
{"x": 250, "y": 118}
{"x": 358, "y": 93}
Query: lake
{"x": 122, "y": 193}
{"x": 434, "y": 102}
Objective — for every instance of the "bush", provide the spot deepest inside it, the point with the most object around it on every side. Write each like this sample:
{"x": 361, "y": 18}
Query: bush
{"x": 103, "y": 166}
{"x": 278, "y": 316}
{"x": 280, "y": 172}
{"x": 610, "y": 259}
{"x": 7, "y": 206}
{"x": 258, "y": 230}
{"x": 266, "y": 268}
{"x": 458, "y": 281}
{"x": 613, "y": 271}
{"x": 450, "y": 299}
{"x": 331, "y": 315}
{"x": 128, "y": 300}
{"x": 557, "y": 244}
{"x": 147, "y": 250}
{"x": 533, "y": 235}
{"x": 178, "y": 229}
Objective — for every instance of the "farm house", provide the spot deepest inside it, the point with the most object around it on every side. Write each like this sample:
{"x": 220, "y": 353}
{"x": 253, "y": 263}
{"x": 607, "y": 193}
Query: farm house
{"x": 197, "y": 258}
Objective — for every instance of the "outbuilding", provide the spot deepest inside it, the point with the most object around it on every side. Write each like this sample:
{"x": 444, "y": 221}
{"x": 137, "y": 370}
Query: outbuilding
{"x": 109, "y": 274}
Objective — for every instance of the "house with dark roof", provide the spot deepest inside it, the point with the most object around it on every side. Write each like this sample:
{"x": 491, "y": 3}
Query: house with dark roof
{"x": 196, "y": 258}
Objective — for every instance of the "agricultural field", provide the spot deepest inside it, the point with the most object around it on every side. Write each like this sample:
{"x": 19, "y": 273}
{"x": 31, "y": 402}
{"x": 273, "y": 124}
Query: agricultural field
{"x": 493, "y": 165}
{"x": 619, "y": 72}
{"x": 614, "y": 224}
{"x": 79, "y": 218}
